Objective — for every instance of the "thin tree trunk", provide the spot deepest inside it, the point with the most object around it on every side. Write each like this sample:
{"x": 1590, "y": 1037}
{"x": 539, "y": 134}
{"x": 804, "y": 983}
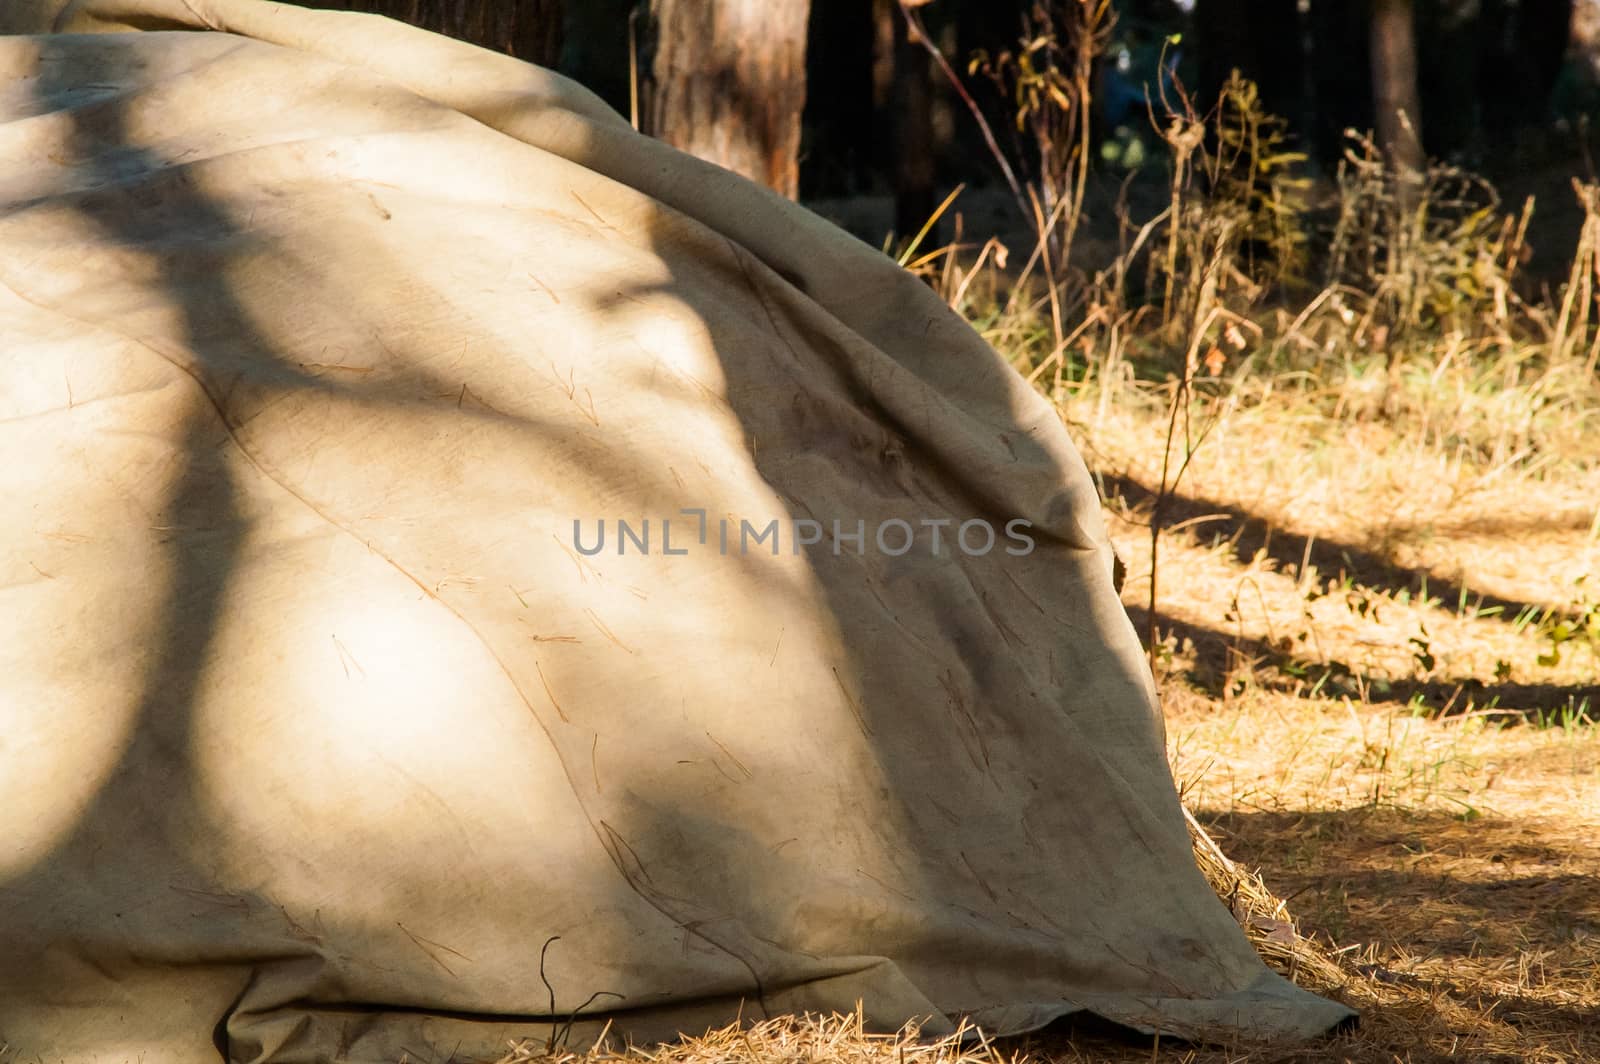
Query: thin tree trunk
{"x": 1394, "y": 87}
{"x": 1585, "y": 33}
{"x": 729, "y": 84}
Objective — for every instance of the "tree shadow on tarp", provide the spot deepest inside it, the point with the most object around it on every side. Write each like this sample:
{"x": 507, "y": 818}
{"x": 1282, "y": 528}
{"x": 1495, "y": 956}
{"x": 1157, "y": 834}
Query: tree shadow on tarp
{"x": 155, "y": 211}
{"x": 138, "y": 851}
{"x": 970, "y": 757}
{"x": 204, "y": 530}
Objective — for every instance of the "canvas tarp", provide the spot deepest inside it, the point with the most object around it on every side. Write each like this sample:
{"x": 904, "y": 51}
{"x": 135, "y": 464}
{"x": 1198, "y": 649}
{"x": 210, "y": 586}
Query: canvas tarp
{"x": 324, "y": 735}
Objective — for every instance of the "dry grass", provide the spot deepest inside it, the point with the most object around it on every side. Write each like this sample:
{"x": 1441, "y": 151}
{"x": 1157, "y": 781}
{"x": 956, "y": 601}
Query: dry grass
{"x": 1353, "y": 560}
{"x": 1357, "y": 708}
{"x": 796, "y": 1039}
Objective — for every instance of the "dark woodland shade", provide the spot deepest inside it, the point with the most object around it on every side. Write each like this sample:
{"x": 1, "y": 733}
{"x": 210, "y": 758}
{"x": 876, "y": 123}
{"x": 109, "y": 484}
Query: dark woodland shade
{"x": 728, "y": 79}
{"x": 1482, "y": 68}
{"x": 527, "y": 29}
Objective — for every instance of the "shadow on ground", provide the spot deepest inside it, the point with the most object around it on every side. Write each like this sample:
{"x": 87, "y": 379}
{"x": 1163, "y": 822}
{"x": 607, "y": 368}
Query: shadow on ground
{"x": 1218, "y": 654}
{"x": 1432, "y": 886}
{"x": 1249, "y": 535}
{"x": 1284, "y": 665}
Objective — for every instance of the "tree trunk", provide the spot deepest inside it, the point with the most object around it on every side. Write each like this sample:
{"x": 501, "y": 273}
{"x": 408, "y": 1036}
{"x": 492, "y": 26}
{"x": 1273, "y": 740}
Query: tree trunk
{"x": 729, "y": 84}
{"x": 1394, "y": 87}
{"x": 1586, "y": 39}
{"x": 527, "y": 29}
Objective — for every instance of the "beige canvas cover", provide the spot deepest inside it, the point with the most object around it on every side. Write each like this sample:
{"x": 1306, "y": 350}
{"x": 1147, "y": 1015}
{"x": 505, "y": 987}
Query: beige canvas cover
{"x": 323, "y": 735}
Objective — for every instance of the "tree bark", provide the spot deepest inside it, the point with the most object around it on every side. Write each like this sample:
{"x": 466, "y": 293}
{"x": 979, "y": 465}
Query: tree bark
{"x": 1585, "y": 34}
{"x": 1394, "y": 86}
{"x": 527, "y": 29}
{"x": 729, "y": 84}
